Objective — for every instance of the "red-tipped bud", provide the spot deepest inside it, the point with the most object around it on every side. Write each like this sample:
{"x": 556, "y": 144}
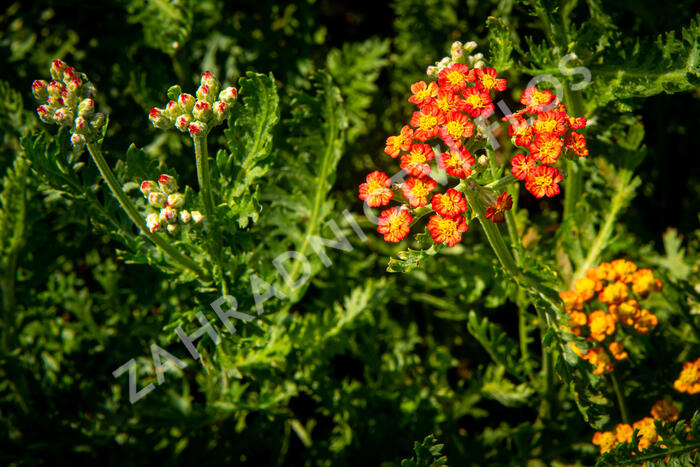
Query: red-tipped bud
{"x": 167, "y": 183}
{"x": 186, "y": 102}
{"x": 197, "y": 217}
{"x": 159, "y": 119}
{"x": 212, "y": 84}
{"x": 204, "y": 93}
{"x": 45, "y": 113}
{"x": 40, "y": 91}
{"x": 176, "y": 200}
{"x": 78, "y": 142}
{"x": 57, "y": 67}
{"x": 55, "y": 89}
{"x": 81, "y": 126}
{"x": 153, "y": 223}
{"x": 228, "y": 95}
{"x": 220, "y": 111}
{"x": 185, "y": 217}
{"x": 68, "y": 74}
{"x": 182, "y": 122}
{"x": 208, "y": 78}
{"x": 86, "y": 108}
{"x": 148, "y": 187}
{"x": 74, "y": 85}
{"x": 197, "y": 128}
{"x": 63, "y": 116}
{"x": 168, "y": 215}
{"x": 157, "y": 199}
{"x": 173, "y": 229}
{"x": 173, "y": 110}
{"x": 202, "y": 111}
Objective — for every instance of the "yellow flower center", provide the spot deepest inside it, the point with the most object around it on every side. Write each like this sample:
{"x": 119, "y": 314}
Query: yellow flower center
{"x": 447, "y": 227}
{"x": 544, "y": 182}
{"x": 420, "y": 189}
{"x": 455, "y": 129}
{"x": 427, "y": 122}
{"x": 455, "y": 77}
{"x": 475, "y": 101}
{"x": 546, "y": 126}
{"x": 417, "y": 158}
{"x": 540, "y": 97}
{"x": 488, "y": 81}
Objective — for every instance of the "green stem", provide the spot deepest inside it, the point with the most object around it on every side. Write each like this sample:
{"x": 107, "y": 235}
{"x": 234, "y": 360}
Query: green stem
{"x": 574, "y": 180}
{"x": 547, "y": 369}
{"x": 620, "y": 399}
{"x": 658, "y": 455}
{"x": 201, "y": 153}
{"x": 202, "y": 160}
{"x": 604, "y": 233}
{"x": 128, "y": 207}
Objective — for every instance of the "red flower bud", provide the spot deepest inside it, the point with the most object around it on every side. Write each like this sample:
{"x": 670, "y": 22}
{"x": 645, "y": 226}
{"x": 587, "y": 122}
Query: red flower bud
{"x": 183, "y": 122}
{"x": 153, "y": 223}
{"x": 148, "y": 187}
{"x": 228, "y": 95}
{"x": 63, "y": 116}
{"x": 186, "y": 102}
{"x": 45, "y": 113}
{"x": 156, "y": 199}
{"x": 39, "y": 89}
{"x": 167, "y": 183}
{"x": 57, "y": 67}
{"x": 197, "y": 128}
{"x": 86, "y": 108}
{"x": 204, "y": 93}
{"x": 220, "y": 111}
{"x": 176, "y": 200}
{"x": 173, "y": 110}
{"x": 208, "y": 78}
{"x": 202, "y": 111}
{"x": 159, "y": 119}
{"x": 68, "y": 74}
{"x": 81, "y": 126}
{"x": 168, "y": 215}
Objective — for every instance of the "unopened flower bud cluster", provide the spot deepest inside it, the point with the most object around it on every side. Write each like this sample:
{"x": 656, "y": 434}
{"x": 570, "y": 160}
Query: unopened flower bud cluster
{"x": 68, "y": 101}
{"x": 164, "y": 197}
{"x": 197, "y": 114}
{"x": 459, "y": 53}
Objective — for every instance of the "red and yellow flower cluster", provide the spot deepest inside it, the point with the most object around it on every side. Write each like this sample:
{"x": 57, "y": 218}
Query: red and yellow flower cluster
{"x": 661, "y": 410}
{"x": 446, "y": 108}
{"x": 607, "y": 297}
{"x": 689, "y": 379}
{"x": 545, "y": 134}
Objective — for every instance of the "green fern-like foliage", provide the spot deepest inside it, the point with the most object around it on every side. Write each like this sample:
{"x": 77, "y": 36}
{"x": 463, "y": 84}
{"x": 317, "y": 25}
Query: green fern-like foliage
{"x": 166, "y": 25}
{"x": 249, "y": 137}
{"x": 428, "y": 454}
{"x": 355, "y": 69}
{"x": 298, "y": 196}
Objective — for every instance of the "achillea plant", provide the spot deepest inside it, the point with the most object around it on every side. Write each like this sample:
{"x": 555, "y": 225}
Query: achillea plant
{"x": 607, "y": 299}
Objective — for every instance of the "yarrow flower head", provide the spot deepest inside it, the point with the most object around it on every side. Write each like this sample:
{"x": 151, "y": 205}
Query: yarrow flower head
{"x": 604, "y": 301}
{"x": 197, "y": 114}
{"x": 445, "y": 111}
{"x": 545, "y": 136}
{"x": 662, "y": 410}
{"x": 689, "y": 379}
{"x": 163, "y": 197}
{"x": 447, "y": 125}
{"x": 68, "y": 101}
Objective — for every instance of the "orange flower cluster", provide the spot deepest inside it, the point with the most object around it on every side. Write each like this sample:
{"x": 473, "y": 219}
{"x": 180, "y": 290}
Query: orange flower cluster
{"x": 446, "y": 109}
{"x": 689, "y": 379}
{"x": 661, "y": 410}
{"x": 607, "y": 297}
{"x": 545, "y": 134}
